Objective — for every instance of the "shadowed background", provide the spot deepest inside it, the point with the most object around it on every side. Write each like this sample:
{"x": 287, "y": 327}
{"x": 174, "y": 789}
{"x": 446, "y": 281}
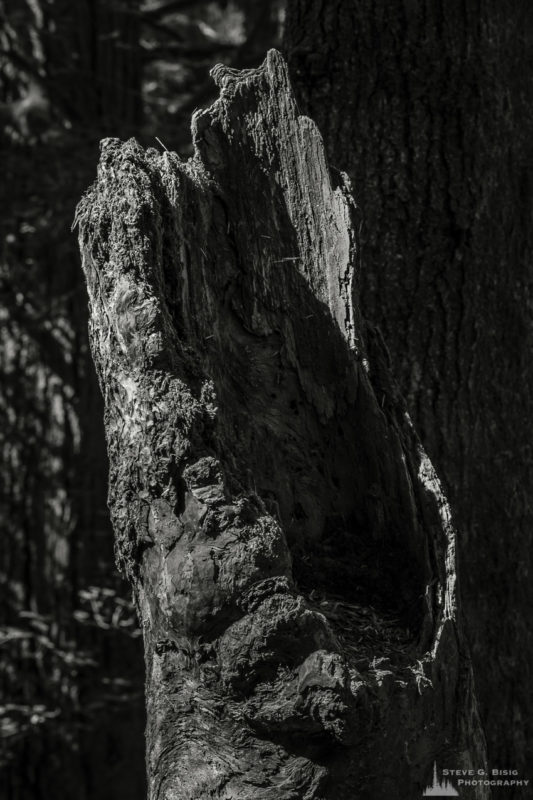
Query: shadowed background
{"x": 427, "y": 106}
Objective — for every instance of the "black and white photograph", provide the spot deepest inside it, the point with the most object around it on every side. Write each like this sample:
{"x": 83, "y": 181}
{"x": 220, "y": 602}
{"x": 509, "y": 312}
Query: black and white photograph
{"x": 266, "y": 399}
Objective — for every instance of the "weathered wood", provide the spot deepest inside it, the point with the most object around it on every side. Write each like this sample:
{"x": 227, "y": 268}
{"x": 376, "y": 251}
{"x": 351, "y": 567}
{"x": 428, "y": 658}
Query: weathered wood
{"x": 290, "y": 549}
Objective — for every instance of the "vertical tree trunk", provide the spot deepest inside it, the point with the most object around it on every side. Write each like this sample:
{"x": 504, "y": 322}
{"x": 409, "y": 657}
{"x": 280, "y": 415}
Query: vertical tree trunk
{"x": 428, "y": 107}
{"x": 289, "y": 546}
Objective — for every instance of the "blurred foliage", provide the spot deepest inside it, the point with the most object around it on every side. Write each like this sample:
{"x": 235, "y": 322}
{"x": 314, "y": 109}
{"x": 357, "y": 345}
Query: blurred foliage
{"x": 60, "y": 72}
{"x": 65, "y": 669}
{"x": 71, "y": 73}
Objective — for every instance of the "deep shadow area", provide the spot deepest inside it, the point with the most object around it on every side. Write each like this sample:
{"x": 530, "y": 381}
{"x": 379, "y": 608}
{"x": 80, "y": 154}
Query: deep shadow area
{"x": 298, "y": 421}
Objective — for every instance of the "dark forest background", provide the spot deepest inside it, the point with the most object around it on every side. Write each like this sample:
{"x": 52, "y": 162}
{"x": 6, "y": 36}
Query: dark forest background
{"x": 428, "y": 107}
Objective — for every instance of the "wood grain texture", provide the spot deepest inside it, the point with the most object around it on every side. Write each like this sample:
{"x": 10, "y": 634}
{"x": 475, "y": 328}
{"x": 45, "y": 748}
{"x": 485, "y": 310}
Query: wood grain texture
{"x": 290, "y": 549}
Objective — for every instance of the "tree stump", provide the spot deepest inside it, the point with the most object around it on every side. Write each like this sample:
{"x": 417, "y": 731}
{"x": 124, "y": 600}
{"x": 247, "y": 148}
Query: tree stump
{"x": 289, "y": 547}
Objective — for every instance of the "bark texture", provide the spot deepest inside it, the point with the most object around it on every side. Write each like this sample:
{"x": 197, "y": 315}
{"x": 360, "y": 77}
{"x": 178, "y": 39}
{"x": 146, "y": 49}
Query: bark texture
{"x": 428, "y": 107}
{"x": 291, "y": 552}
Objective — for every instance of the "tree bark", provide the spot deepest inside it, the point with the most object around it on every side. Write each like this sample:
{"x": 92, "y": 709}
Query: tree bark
{"x": 428, "y": 107}
{"x": 288, "y": 542}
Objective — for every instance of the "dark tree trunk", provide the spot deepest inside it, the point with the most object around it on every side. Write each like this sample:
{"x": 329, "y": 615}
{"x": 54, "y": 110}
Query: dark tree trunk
{"x": 428, "y": 107}
{"x": 289, "y": 545}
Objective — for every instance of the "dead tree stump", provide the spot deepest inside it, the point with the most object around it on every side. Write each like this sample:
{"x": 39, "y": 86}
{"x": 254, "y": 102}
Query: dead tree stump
{"x": 288, "y": 543}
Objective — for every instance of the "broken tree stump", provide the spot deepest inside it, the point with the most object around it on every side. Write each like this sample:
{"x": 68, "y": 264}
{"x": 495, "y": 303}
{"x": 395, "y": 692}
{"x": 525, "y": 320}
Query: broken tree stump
{"x": 289, "y": 547}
